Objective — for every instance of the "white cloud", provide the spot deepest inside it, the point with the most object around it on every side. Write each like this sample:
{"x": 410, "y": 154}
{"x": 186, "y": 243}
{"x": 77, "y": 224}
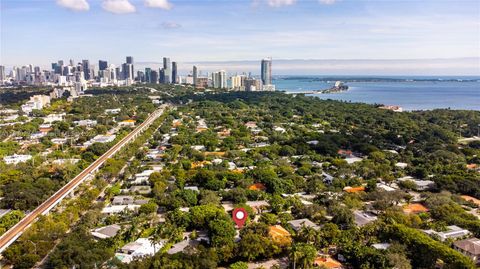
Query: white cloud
{"x": 163, "y": 4}
{"x": 327, "y": 2}
{"x": 118, "y": 6}
{"x": 280, "y": 3}
{"x": 77, "y": 5}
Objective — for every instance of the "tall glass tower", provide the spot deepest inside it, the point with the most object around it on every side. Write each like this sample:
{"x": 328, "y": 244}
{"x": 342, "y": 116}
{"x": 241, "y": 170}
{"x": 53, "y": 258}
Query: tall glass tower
{"x": 267, "y": 71}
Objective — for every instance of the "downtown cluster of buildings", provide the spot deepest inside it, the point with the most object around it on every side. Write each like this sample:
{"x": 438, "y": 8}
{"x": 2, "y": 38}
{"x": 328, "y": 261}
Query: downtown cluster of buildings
{"x": 79, "y": 76}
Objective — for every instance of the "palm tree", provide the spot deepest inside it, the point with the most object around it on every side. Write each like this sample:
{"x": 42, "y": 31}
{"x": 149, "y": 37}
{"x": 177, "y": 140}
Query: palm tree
{"x": 156, "y": 238}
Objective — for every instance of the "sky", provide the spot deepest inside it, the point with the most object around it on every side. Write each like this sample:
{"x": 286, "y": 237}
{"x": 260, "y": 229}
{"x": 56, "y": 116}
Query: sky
{"x": 222, "y": 33}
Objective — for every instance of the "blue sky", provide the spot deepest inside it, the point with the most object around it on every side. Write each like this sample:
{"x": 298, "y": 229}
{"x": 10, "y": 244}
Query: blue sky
{"x": 42, "y": 31}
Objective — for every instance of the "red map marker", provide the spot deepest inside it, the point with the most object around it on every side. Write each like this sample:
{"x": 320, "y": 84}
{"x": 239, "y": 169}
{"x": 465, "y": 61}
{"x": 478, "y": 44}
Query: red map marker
{"x": 239, "y": 216}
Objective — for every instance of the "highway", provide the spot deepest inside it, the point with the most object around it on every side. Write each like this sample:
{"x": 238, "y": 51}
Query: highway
{"x": 13, "y": 233}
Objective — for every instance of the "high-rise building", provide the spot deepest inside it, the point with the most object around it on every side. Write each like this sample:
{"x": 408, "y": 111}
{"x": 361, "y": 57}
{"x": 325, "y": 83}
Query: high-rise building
{"x": 86, "y": 69}
{"x": 148, "y": 75}
{"x": 128, "y": 71}
{"x": 161, "y": 73}
{"x": 167, "y": 68}
{"x": 102, "y": 65}
{"x": 118, "y": 73}
{"x": 130, "y": 61}
{"x": 174, "y": 73}
{"x": 238, "y": 82}
{"x": 195, "y": 75}
{"x": 219, "y": 79}
{"x": 252, "y": 84}
{"x": 267, "y": 71}
{"x": 2, "y": 74}
{"x": 154, "y": 77}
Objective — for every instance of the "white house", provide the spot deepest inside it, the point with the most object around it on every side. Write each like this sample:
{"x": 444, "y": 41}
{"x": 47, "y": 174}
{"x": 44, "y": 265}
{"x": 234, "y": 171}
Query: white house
{"x": 142, "y": 247}
{"x": 15, "y": 159}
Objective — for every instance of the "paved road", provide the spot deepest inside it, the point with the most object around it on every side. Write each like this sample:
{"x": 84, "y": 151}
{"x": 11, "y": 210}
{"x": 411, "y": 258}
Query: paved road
{"x": 11, "y": 235}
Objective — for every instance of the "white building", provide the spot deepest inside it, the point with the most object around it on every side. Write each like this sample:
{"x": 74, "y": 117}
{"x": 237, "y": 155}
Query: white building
{"x": 15, "y": 159}
{"x": 453, "y": 232}
{"x": 141, "y": 248}
{"x": 100, "y": 139}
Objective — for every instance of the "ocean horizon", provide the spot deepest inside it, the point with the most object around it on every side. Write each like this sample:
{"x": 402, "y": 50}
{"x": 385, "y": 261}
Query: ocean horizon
{"x": 409, "y": 92}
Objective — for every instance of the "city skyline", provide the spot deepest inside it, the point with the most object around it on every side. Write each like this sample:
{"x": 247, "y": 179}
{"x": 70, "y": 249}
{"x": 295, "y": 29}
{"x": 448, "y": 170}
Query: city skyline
{"x": 342, "y": 30}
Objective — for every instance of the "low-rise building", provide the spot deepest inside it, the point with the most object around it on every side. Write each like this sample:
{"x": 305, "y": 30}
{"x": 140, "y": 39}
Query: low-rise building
{"x": 298, "y": 224}
{"x": 16, "y": 159}
{"x": 470, "y": 248}
{"x": 453, "y": 232}
{"x": 141, "y": 248}
{"x": 100, "y": 139}
{"x": 362, "y": 218}
{"x": 106, "y": 231}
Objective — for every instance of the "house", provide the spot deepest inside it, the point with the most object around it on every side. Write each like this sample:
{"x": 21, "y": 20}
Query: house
{"x": 100, "y": 139}
{"x": 128, "y": 200}
{"x": 471, "y": 199}
{"x": 143, "y": 177}
{"x": 279, "y": 235}
{"x": 106, "y": 231}
{"x": 142, "y": 189}
{"x": 420, "y": 185}
{"x": 298, "y": 224}
{"x": 123, "y": 200}
{"x": 251, "y": 124}
{"x": 401, "y": 165}
{"x": 199, "y": 147}
{"x": 192, "y": 188}
{"x": 45, "y": 128}
{"x": 54, "y": 117}
{"x": 381, "y": 246}
{"x": 115, "y": 209}
{"x": 279, "y": 129}
{"x": 385, "y": 187}
{"x": 326, "y": 261}
{"x": 113, "y": 111}
{"x": 187, "y": 241}
{"x": 258, "y": 206}
{"x": 4, "y": 212}
{"x": 16, "y": 159}
{"x": 58, "y": 141}
{"x": 65, "y": 161}
{"x": 453, "y": 232}
{"x": 200, "y": 164}
{"x": 414, "y": 208}
{"x": 354, "y": 189}
{"x": 85, "y": 123}
{"x": 470, "y": 248}
{"x": 142, "y": 247}
{"x": 327, "y": 178}
{"x": 362, "y": 218}
{"x": 127, "y": 123}
{"x": 257, "y": 187}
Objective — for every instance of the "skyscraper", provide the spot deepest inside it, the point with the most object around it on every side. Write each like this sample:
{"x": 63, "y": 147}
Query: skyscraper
{"x": 195, "y": 75}
{"x": 267, "y": 71}
{"x": 174, "y": 73}
{"x": 219, "y": 79}
{"x": 130, "y": 61}
{"x": 154, "y": 78}
{"x": 2, "y": 74}
{"x": 161, "y": 73}
{"x": 86, "y": 69}
{"x": 167, "y": 69}
{"x": 127, "y": 71}
{"x": 102, "y": 65}
{"x": 148, "y": 75}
